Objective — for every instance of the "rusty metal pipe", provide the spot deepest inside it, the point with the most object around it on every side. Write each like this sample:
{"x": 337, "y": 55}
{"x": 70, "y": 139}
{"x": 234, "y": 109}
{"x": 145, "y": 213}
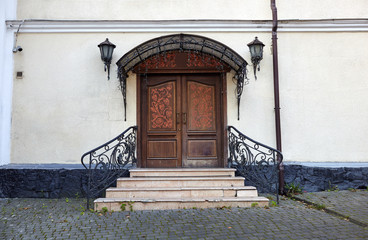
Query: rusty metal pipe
{"x": 276, "y": 91}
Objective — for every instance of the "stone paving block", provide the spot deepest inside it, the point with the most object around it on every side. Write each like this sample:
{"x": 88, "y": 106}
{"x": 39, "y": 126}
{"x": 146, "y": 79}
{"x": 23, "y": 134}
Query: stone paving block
{"x": 351, "y": 204}
{"x": 291, "y": 220}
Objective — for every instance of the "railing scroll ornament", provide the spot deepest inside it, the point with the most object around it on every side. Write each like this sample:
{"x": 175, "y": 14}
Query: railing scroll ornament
{"x": 109, "y": 161}
{"x": 256, "y": 162}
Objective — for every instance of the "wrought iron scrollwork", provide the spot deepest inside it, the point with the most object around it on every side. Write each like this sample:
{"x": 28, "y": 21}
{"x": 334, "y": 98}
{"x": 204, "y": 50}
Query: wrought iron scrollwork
{"x": 256, "y": 162}
{"x": 109, "y": 161}
{"x": 241, "y": 80}
{"x": 183, "y": 42}
{"x": 122, "y": 79}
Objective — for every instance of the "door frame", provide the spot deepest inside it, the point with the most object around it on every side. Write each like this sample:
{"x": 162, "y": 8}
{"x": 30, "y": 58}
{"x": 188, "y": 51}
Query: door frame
{"x": 223, "y": 102}
{"x": 183, "y": 62}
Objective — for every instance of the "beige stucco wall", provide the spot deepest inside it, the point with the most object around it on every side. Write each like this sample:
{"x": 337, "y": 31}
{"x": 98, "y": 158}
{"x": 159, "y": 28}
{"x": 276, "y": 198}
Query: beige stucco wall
{"x": 326, "y": 9}
{"x": 143, "y": 9}
{"x": 189, "y": 9}
{"x": 324, "y": 101}
{"x": 64, "y": 105}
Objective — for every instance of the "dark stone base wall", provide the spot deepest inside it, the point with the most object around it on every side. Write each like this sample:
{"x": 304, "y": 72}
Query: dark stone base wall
{"x": 314, "y": 179}
{"x": 42, "y": 183}
{"x": 60, "y": 182}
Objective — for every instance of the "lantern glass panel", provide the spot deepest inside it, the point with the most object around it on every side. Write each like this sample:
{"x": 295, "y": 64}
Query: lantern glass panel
{"x": 109, "y": 53}
{"x": 252, "y": 50}
{"x": 258, "y": 50}
{"x": 105, "y": 52}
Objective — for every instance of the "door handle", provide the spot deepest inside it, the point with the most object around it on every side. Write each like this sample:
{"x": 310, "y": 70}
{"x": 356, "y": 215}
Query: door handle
{"x": 177, "y": 118}
{"x": 184, "y": 118}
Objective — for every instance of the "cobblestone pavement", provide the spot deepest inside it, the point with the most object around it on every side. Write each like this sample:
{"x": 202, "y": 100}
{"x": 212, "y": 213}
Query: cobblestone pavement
{"x": 67, "y": 219}
{"x": 351, "y": 204}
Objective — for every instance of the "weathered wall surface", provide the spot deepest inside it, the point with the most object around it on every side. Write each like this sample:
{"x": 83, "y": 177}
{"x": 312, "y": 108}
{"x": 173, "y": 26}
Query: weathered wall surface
{"x": 189, "y": 9}
{"x": 323, "y": 95}
{"x": 64, "y": 105}
{"x": 143, "y": 9}
{"x": 7, "y": 11}
{"x": 315, "y": 9}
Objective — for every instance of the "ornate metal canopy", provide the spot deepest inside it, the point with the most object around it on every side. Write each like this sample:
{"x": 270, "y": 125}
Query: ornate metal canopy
{"x": 183, "y": 42}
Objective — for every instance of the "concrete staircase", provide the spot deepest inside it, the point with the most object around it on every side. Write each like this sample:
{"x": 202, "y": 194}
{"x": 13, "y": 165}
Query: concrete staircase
{"x": 179, "y": 188}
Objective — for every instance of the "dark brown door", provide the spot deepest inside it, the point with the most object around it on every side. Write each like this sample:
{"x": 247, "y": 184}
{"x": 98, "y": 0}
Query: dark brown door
{"x": 181, "y": 121}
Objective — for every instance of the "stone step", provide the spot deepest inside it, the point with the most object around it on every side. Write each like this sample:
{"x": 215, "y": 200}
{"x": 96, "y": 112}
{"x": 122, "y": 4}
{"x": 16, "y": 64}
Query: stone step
{"x": 181, "y": 192}
{"x": 182, "y": 172}
{"x": 159, "y": 189}
{"x": 149, "y": 182}
{"x": 127, "y": 204}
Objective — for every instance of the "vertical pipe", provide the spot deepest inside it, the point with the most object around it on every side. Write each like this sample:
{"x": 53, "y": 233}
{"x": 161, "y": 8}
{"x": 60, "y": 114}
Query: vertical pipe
{"x": 276, "y": 91}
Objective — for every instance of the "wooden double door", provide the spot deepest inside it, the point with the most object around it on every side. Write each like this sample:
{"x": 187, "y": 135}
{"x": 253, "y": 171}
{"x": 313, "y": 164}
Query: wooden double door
{"x": 181, "y": 120}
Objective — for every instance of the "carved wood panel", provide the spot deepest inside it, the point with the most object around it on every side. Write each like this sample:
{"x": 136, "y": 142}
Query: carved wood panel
{"x": 201, "y": 107}
{"x": 181, "y": 60}
{"x": 161, "y": 106}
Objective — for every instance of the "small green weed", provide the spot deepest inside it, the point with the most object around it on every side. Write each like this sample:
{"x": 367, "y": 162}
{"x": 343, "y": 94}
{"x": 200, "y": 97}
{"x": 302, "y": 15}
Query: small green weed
{"x": 270, "y": 197}
{"x": 104, "y": 210}
{"x": 253, "y": 205}
{"x": 131, "y": 206}
{"x": 332, "y": 188}
{"x": 124, "y": 205}
{"x": 293, "y": 189}
{"x": 273, "y": 204}
{"x": 66, "y": 200}
{"x": 81, "y": 208}
{"x": 320, "y": 206}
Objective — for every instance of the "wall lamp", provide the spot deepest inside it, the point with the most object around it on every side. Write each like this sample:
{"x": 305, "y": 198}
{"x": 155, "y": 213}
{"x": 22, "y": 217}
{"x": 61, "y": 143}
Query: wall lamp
{"x": 256, "y": 53}
{"x": 15, "y": 47}
{"x": 106, "y": 50}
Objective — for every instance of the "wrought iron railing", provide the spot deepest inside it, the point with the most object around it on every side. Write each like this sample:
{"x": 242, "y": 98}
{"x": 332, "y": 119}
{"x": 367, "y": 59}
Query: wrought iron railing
{"x": 109, "y": 161}
{"x": 256, "y": 162}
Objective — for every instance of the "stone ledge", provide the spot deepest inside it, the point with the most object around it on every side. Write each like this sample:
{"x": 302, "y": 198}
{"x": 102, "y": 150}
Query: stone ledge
{"x": 329, "y": 164}
{"x": 42, "y": 166}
